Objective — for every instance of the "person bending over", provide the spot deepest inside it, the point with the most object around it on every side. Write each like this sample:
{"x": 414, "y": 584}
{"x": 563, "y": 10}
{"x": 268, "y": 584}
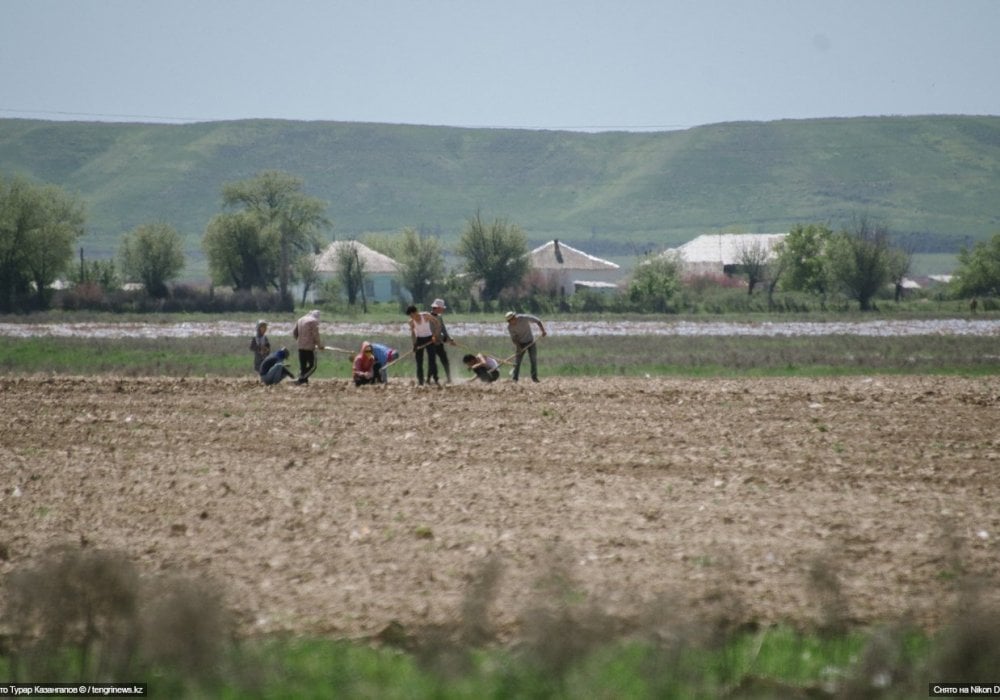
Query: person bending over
{"x": 272, "y": 369}
{"x": 486, "y": 368}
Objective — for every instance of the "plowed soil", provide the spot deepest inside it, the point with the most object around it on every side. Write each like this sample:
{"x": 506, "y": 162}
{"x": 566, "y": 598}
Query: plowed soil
{"x": 335, "y": 510}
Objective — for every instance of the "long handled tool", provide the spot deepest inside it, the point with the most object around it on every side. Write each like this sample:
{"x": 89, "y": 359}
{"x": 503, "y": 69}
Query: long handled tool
{"x": 519, "y": 352}
{"x": 334, "y": 349}
{"x": 407, "y": 354}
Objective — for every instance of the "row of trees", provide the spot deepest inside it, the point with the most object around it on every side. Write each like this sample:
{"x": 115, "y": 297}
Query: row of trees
{"x": 265, "y": 241}
{"x": 271, "y": 236}
{"x": 39, "y": 227}
{"x": 267, "y": 238}
{"x": 855, "y": 263}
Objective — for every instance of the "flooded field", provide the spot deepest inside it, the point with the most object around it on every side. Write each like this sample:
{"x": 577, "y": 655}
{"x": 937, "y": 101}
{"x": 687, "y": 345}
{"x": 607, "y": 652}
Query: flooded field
{"x": 886, "y": 328}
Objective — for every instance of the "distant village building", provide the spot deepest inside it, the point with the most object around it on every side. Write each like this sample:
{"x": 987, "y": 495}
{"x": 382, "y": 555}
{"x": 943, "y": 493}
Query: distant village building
{"x": 381, "y": 270}
{"x": 569, "y": 269}
{"x": 720, "y": 253}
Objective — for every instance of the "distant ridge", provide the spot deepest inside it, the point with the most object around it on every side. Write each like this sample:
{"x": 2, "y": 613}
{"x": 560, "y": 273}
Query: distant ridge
{"x": 934, "y": 179}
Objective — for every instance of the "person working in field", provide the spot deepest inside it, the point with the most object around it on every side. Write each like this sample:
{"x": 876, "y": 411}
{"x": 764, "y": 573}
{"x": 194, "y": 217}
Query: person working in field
{"x": 486, "y": 368}
{"x": 260, "y": 346}
{"x": 366, "y": 366}
{"x": 437, "y": 309}
{"x": 424, "y": 334}
{"x": 306, "y": 332}
{"x": 519, "y": 328}
{"x": 273, "y": 370}
{"x": 384, "y": 356}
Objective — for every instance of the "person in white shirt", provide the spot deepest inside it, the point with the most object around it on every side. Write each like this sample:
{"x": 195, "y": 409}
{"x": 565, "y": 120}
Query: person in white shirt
{"x": 486, "y": 368}
{"x": 424, "y": 328}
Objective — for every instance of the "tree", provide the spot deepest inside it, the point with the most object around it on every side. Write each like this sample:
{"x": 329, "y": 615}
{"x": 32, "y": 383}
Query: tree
{"x": 280, "y": 208}
{"x": 899, "y": 263}
{"x": 978, "y": 272}
{"x": 351, "y": 271}
{"x": 102, "y": 274}
{"x": 39, "y": 225}
{"x": 241, "y": 253}
{"x": 153, "y": 255}
{"x": 859, "y": 260}
{"x": 654, "y": 282}
{"x": 421, "y": 265}
{"x": 495, "y": 253}
{"x": 752, "y": 257}
{"x": 306, "y": 272}
{"x": 802, "y": 257}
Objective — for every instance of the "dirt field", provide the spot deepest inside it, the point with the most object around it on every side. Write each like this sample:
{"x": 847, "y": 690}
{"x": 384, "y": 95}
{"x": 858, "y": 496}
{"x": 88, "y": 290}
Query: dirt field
{"x": 335, "y": 510}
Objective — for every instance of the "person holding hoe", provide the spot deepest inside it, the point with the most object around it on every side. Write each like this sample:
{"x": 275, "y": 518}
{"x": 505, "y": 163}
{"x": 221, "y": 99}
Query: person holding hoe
{"x": 485, "y": 367}
{"x": 384, "y": 356}
{"x": 306, "y": 333}
{"x": 519, "y": 328}
{"x": 364, "y": 366}
{"x": 437, "y": 309}
{"x": 424, "y": 334}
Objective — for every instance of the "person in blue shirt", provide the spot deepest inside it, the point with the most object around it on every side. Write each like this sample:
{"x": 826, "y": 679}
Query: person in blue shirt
{"x": 273, "y": 370}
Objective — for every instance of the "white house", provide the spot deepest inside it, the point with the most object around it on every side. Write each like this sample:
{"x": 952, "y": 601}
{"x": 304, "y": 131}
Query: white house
{"x": 571, "y": 269}
{"x": 380, "y": 269}
{"x": 720, "y": 253}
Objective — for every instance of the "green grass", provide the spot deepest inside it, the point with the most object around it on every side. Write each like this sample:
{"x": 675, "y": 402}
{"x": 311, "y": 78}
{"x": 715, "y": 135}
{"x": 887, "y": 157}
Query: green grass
{"x": 635, "y": 356}
{"x": 774, "y": 662}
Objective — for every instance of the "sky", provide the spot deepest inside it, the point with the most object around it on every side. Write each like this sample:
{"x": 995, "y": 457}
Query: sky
{"x": 635, "y": 65}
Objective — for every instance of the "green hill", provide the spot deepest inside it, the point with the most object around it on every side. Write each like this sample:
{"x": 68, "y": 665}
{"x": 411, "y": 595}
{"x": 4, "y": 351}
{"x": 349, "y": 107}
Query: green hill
{"x": 934, "y": 180}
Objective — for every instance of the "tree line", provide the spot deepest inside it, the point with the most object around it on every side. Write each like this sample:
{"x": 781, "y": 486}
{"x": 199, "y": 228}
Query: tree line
{"x": 270, "y": 231}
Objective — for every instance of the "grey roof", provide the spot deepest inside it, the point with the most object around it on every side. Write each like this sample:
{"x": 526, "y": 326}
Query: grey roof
{"x": 374, "y": 261}
{"x": 559, "y": 256}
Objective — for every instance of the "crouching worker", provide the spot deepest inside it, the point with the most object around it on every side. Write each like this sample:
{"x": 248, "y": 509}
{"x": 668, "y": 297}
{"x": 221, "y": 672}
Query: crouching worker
{"x": 384, "y": 356}
{"x": 486, "y": 368}
{"x": 273, "y": 370}
{"x": 364, "y": 366}
{"x": 371, "y": 366}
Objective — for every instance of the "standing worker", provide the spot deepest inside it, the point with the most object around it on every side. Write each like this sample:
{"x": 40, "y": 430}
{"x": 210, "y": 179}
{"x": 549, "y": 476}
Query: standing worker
{"x": 306, "y": 332}
{"x": 260, "y": 346}
{"x": 519, "y": 327}
{"x": 437, "y": 309}
{"x": 424, "y": 332}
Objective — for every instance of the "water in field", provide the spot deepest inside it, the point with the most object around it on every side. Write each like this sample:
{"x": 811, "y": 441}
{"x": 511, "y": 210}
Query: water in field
{"x": 885, "y": 328}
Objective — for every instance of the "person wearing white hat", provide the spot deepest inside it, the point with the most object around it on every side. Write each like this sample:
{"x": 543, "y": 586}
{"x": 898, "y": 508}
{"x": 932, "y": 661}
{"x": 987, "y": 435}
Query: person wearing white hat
{"x": 438, "y": 308}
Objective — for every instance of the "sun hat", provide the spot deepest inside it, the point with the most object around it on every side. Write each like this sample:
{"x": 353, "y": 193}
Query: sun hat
{"x": 509, "y": 315}
{"x": 439, "y": 303}
{"x": 261, "y": 322}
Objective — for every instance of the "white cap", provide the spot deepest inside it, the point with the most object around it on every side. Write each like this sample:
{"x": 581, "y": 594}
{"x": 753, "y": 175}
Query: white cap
{"x": 438, "y": 303}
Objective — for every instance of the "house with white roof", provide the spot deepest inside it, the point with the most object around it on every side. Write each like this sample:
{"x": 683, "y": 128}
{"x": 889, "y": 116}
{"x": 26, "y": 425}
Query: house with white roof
{"x": 381, "y": 270}
{"x": 720, "y": 253}
{"x": 569, "y": 269}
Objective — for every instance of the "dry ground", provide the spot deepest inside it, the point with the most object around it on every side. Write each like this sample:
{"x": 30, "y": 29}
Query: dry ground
{"x": 335, "y": 510}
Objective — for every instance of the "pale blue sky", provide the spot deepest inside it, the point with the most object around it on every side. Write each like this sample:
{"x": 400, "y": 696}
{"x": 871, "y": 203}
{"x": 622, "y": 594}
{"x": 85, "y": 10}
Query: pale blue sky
{"x": 541, "y": 64}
